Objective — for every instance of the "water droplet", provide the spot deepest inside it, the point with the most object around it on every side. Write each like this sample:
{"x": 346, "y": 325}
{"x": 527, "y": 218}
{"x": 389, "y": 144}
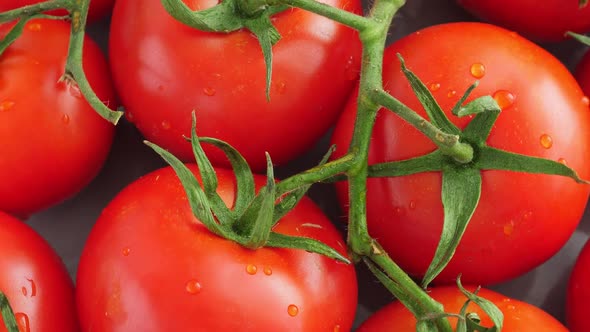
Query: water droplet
{"x": 281, "y": 87}
{"x": 509, "y": 228}
{"x": 477, "y": 70}
{"x": 126, "y": 251}
{"x": 165, "y": 125}
{"x": 267, "y": 270}
{"x": 22, "y": 320}
{"x": 193, "y": 287}
{"x": 292, "y": 310}
{"x": 546, "y": 141}
{"x": 504, "y": 98}
{"x": 434, "y": 87}
{"x": 251, "y": 269}
{"x": 209, "y": 91}
{"x": 562, "y": 161}
{"x": 337, "y": 328}
{"x": 451, "y": 93}
{"x": 412, "y": 205}
{"x": 6, "y": 105}
{"x": 511, "y": 307}
{"x": 65, "y": 118}
{"x": 24, "y": 290}
{"x": 74, "y": 90}
{"x": 586, "y": 101}
{"x": 34, "y": 27}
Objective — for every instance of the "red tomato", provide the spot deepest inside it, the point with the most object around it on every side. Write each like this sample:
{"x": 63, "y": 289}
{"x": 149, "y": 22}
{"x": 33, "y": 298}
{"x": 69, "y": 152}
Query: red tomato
{"x": 53, "y": 143}
{"x": 578, "y": 293}
{"x": 522, "y": 219}
{"x": 35, "y": 280}
{"x": 98, "y": 8}
{"x": 549, "y": 21}
{"x": 170, "y": 70}
{"x": 149, "y": 265}
{"x": 582, "y": 73}
{"x": 518, "y": 316}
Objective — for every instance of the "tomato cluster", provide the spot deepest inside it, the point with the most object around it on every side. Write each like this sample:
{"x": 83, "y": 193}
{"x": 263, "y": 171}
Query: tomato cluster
{"x": 122, "y": 223}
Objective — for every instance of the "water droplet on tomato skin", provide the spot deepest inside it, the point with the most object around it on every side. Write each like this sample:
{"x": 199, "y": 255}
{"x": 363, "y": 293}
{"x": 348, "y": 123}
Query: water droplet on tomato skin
{"x": 35, "y": 27}
{"x": 412, "y": 205}
{"x": 251, "y": 269}
{"x": 292, "y": 310}
{"x": 586, "y": 101}
{"x": 451, "y": 93}
{"x": 22, "y": 320}
{"x": 267, "y": 270}
{"x": 337, "y": 328}
{"x": 509, "y": 229}
{"x": 477, "y": 70}
{"x": 281, "y": 87}
{"x": 193, "y": 287}
{"x": 208, "y": 91}
{"x": 504, "y": 98}
{"x": 165, "y": 125}
{"x": 434, "y": 87}
{"x": 65, "y": 118}
{"x": 562, "y": 161}
{"x": 546, "y": 141}
{"x": 126, "y": 252}
{"x": 6, "y": 105}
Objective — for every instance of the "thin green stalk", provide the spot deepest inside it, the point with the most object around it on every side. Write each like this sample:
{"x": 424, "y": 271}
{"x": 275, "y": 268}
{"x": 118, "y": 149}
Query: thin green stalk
{"x": 74, "y": 68}
{"x": 33, "y": 9}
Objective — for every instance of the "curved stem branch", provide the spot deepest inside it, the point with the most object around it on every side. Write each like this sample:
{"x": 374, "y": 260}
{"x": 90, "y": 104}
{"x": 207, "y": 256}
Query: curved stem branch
{"x": 31, "y": 10}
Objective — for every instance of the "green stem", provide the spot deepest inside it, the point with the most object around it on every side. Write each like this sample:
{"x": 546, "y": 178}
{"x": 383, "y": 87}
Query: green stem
{"x": 7, "y": 314}
{"x": 448, "y": 143}
{"x": 31, "y": 10}
{"x": 74, "y": 68}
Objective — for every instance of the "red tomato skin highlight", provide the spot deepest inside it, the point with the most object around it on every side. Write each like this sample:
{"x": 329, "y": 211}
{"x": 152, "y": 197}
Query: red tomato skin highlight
{"x": 170, "y": 70}
{"x": 548, "y": 22}
{"x": 53, "y": 143}
{"x": 149, "y": 265}
{"x": 520, "y": 221}
{"x": 518, "y": 316}
{"x": 35, "y": 280}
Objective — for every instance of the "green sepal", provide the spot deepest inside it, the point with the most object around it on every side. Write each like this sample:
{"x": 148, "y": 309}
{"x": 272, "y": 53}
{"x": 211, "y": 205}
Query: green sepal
{"x": 196, "y": 197}
{"x": 491, "y": 158}
{"x": 267, "y": 36}
{"x": 472, "y": 321}
{"x": 245, "y": 187}
{"x": 258, "y": 232}
{"x": 431, "y": 106}
{"x": 582, "y": 3}
{"x": 480, "y": 127}
{"x": 459, "y": 105}
{"x": 581, "y": 38}
{"x": 479, "y": 105}
{"x": 426, "y": 163}
{"x": 7, "y": 314}
{"x": 219, "y": 18}
{"x": 461, "y": 190}
{"x": 277, "y": 240}
{"x": 288, "y": 202}
{"x": 209, "y": 179}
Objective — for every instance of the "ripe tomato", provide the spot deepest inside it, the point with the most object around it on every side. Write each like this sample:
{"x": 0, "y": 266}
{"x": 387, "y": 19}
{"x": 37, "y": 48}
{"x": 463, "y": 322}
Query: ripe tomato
{"x": 170, "y": 70}
{"x": 549, "y": 21}
{"x": 53, "y": 143}
{"x": 582, "y": 73}
{"x": 545, "y": 114}
{"x": 98, "y": 8}
{"x": 35, "y": 280}
{"x": 578, "y": 292}
{"x": 518, "y": 316}
{"x": 149, "y": 265}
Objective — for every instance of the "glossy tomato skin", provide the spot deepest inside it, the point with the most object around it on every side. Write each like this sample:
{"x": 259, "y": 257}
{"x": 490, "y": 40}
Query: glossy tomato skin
{"x": 170, "y": 70}
{"x": 98, "y": 8}
{"x": 53, "y": 143}
{"x": 522, "y": 219}
{"x": 578, "y": 293}
{"x": 35, "y": 280}
{"x": 149, "y": 265}
{"x": 518, "y": 316}
{"x": 548, "y": 22}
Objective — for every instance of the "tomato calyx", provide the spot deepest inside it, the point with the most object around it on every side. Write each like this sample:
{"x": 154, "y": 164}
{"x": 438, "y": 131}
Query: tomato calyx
{"x": 461, "y": 168}
{"x": 251, "y": 220}
{"x": 233, "y": 15}
{"x": 8, "y": 314}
